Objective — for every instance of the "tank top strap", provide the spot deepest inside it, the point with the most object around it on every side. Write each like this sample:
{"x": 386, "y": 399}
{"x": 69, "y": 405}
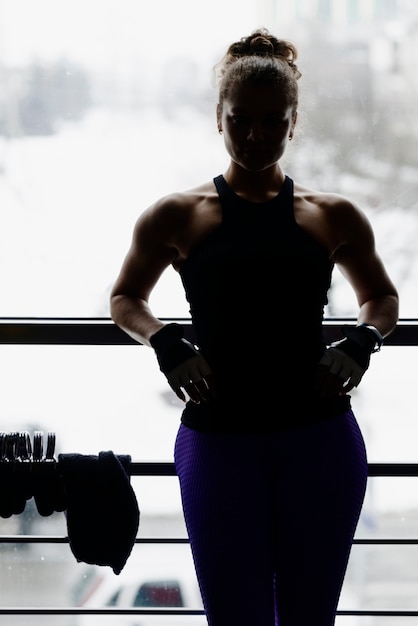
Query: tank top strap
{"x": 228, "y": 195}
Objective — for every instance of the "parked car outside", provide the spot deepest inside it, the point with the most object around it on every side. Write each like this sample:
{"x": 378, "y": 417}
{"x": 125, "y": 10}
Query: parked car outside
{"x": 158, "y": 577}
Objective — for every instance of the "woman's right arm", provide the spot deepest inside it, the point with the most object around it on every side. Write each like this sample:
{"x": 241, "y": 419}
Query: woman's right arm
{"x": 149, "y": 255}
{"x": 151, "y": 252}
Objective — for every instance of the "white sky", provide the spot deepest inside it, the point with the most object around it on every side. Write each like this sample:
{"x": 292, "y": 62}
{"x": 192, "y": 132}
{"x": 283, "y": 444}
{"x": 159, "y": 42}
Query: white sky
{"x": 95, "y": 31}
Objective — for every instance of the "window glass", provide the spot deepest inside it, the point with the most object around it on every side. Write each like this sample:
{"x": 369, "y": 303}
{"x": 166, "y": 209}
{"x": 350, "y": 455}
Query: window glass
{"x": 107, "y": 105}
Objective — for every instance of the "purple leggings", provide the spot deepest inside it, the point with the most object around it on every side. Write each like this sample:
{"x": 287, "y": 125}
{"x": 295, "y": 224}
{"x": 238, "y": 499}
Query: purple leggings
{"x": 271, "y": 519}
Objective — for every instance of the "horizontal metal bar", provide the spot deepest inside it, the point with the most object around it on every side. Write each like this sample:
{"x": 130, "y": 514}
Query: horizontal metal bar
{"x": 97, "y": 611}
{"x": 386, "y": 542}
{"x": 375, "y": 469}
{"x": 167, "y": 468}
{"x": 393, "y": 469}
{"x": 382, "y": 613}
{"x": 103, "y": 331}
{"x": 152, "y": 468}
{"x": 180, "y": 540}
{"x": 176, "y": 611}
{"x": 68, "y": 331}
{"x": 64, "y": 539}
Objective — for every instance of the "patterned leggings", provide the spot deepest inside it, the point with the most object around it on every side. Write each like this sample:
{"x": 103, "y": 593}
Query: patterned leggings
{"x": 271, "y": 519}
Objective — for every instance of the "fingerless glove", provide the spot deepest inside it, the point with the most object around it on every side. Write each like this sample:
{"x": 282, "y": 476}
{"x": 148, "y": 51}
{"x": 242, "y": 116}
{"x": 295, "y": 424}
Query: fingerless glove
{"x": 171, "y": 348}
{"x": 349, "y": 358}
{"x": 359, "y": 343}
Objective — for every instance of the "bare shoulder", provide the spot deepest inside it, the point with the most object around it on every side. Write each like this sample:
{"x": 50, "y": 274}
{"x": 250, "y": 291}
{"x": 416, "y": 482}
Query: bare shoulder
{"x": 174, "y": 209}
{"x": 180, "y": 220}
{"x": 176, "y": 204}
{"x": 325, "y": 201}
{"x": 332, "y": 218}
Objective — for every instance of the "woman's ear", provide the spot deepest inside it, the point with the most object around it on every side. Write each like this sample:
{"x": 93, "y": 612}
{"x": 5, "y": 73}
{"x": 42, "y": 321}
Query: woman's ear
{"x": 219, "y": 118}
{"x": 292, "y": 128}
{"x": 295, "y": 119}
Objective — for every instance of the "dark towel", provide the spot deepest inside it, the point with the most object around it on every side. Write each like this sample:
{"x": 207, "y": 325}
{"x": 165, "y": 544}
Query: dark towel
{"x": 102, "y": 511}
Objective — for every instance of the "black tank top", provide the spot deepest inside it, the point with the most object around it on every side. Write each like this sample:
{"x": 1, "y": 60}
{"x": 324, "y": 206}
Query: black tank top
{"x": 257, "y": 287}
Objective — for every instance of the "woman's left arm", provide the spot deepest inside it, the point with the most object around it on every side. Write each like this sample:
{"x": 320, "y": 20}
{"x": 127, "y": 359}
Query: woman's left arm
{"x": 344, "y": 362}
{"x": 360, "y": 263}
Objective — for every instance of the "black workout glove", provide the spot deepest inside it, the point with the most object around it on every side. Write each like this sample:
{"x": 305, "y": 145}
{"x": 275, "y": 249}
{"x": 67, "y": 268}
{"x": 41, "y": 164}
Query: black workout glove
{"x": 179, "y": 360}
{"x": 349, "y": 358}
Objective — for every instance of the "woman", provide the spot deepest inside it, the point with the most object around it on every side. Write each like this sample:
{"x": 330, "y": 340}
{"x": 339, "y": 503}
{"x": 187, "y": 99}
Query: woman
{"x": 270, "y": 458}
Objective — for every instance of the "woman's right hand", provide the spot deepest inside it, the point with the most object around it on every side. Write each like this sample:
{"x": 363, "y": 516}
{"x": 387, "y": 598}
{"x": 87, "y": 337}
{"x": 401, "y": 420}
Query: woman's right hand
{"x": 183, "y": 365}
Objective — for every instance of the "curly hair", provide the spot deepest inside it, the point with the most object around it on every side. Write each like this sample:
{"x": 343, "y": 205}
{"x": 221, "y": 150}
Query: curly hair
{"x": 260, "y": 58}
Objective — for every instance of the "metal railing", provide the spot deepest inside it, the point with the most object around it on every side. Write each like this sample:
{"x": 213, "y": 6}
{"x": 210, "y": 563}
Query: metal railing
{"x": 102, "y": 331}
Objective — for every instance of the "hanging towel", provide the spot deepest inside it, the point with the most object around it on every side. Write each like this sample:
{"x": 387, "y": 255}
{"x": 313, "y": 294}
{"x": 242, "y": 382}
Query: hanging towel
{"x": 102, "y": 511}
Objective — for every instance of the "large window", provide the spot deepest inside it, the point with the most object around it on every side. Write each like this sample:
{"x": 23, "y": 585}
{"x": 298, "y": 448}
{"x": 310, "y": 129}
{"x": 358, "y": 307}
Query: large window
{"x": 105, "y": 106}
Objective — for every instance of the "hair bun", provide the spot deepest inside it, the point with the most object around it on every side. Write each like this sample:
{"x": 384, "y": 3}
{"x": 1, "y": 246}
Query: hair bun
{"x": 262, "y": 43}
{"x": 259, "y": 44}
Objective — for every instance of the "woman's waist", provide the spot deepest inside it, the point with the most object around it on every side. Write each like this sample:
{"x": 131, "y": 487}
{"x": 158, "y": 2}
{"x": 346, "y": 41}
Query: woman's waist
{"x": 265, "y": 411}
{"x": 253, "y": 372}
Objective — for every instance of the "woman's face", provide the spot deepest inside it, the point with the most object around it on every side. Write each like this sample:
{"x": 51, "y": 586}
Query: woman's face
{"x": 256, "y": 121}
